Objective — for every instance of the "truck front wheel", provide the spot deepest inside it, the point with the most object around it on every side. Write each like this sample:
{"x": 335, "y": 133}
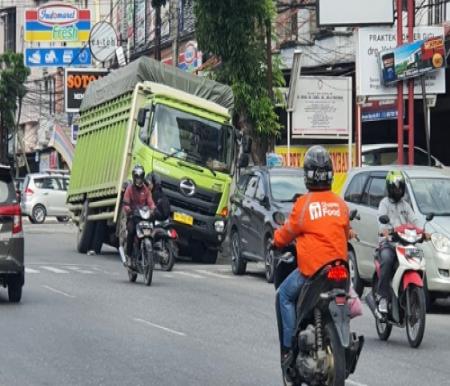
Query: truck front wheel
{"x": 202, "y": 254}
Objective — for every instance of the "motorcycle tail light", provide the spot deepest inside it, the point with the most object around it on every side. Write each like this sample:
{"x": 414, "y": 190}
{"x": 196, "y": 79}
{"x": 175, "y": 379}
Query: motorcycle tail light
{"x": 172, "y": 233}
{"x": 340, "y": 300}
{"x": 338, "y": 273}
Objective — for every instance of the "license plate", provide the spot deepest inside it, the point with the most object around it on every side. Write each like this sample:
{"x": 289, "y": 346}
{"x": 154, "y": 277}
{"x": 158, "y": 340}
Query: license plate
{"x": 183, "y": 218}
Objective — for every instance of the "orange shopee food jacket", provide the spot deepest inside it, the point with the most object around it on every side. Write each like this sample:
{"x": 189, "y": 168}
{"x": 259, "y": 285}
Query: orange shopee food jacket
{"x": 320, "y": 224}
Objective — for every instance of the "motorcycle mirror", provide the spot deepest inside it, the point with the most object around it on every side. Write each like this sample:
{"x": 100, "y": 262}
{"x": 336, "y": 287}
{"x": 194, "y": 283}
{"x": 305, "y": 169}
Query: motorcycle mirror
{"x": 279, "y": 218}
{"x": 354, "y": 215}
{"x": 384, "y": 219}
{"x": 430, "y": 216}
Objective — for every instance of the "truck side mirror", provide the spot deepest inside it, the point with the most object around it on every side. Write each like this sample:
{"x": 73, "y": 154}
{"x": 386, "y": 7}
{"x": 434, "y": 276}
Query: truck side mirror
{"x": 142, "y": 114}
{"x": 246, "y": 144}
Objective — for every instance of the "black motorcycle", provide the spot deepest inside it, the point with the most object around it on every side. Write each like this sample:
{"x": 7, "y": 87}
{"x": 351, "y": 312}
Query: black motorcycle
{"x": 164, "y": 244}
{"x": 143, "y": 253}
{"x": 325, "y": 351}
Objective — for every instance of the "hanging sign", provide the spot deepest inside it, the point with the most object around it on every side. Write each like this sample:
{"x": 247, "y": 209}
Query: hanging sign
{"x": 103, "y": 41}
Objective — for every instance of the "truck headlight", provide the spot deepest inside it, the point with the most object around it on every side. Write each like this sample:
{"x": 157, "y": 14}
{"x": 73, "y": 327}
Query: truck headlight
{"x": 440, "y": 242}
{"x": 219, "y": 226}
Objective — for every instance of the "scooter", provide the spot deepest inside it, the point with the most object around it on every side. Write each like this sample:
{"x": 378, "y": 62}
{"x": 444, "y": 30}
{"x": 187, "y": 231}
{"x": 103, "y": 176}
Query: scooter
{"x": 407, "y": 305}
{"x": 164, "y": 244}
{"x": 143, "y": 253}
{"x": 325, "y": 351}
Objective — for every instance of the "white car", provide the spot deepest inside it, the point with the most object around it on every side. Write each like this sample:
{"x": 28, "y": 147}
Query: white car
{"x": 386, "y": 154}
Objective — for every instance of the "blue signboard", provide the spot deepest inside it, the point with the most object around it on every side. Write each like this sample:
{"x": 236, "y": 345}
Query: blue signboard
{"x": 57, "y": 57}
{"x": 371, "y": 116}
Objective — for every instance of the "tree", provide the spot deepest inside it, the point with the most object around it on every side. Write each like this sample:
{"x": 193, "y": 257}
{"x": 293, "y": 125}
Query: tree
{"x": 157, "y": 4}
{"x": 236, "y": 31}
{"x": 12, "y": 91}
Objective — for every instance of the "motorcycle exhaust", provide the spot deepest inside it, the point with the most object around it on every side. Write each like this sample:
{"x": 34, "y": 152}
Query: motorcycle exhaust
{"x": 122, "y": 255}
{"x": 370, "y": 301}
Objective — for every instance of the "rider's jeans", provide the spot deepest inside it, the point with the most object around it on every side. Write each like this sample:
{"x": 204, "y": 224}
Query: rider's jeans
{"x": 387, "y": 261}
{"x": 288, "y": 293}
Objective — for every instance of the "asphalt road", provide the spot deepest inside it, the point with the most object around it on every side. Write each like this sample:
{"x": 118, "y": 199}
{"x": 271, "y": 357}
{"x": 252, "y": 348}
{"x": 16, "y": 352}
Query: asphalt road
{"x": 82, "y": 323}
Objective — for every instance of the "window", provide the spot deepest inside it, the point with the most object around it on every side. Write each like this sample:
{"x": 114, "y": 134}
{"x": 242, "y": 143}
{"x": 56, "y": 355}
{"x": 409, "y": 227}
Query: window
{"x": 355, "y": 188}
{"x": 7, "y": 191}
{"x": 375, "y": 193}
{"x": 242, "y": 183}
{"x": 260, "y": 190}
{"x": 9, "y": 29}
{"x": 251, "y": 187}
{"x": 47, "y": 183}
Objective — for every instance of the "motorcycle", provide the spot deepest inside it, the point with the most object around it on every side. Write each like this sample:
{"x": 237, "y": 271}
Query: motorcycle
{"x": 143, "y": 253}
{"x": 325, "y": 350}
{"x": 164, "y": 244}
{"x": 407, "y": 305}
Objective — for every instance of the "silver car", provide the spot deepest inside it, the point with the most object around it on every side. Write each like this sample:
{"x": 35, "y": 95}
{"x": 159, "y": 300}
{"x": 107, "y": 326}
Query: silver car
{"x": 44, "y": 194}
{"x": 428, "y": 191}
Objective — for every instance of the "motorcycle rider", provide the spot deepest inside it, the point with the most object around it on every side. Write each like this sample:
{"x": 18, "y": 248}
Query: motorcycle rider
{"x": 136, "y": 195}
{"x": 162, "y": 204}
{"x": 320, "y": 224}
{"x": 399, "y": 212}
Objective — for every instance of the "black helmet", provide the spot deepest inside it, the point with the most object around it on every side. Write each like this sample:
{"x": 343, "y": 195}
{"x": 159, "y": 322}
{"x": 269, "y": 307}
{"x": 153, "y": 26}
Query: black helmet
{"x": 318, "y": 169}
{"x": 138, "y": 174}
{"x": 154, "y": 179}
{"x": 395, "y": 185}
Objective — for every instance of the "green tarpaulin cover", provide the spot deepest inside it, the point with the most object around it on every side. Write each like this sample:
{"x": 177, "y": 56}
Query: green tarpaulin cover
{"x": 143, "y": 69}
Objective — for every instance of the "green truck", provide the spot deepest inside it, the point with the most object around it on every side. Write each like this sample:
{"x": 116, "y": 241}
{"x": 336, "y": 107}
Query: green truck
{"x": 171, "y": 122}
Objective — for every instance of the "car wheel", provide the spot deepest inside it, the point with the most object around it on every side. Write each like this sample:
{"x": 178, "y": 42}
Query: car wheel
{"x": 238, "y": 264}
{"x": 354, "y": 274}
{"x": 38, "y": 214}
{"x": 15, "y": 289}
{"x": 269, "y": 261}
{"x": 31, "y": 220}
{"x": 63, "y": 219}
{"x": 430, "y": 296}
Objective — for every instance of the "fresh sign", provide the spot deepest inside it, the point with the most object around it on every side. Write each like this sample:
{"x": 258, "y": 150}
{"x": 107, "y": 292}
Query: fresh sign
{"x": 57, "y": 14}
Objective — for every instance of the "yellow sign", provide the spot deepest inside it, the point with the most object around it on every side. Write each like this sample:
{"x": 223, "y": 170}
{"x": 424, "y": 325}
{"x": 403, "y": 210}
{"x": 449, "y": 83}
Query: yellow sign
{"x": 338, "y": 153}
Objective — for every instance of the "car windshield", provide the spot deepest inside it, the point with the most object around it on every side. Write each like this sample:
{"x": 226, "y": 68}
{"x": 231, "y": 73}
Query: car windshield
{"x": 286, "y": 187}
{"x": 7, "y": 191}
{"x": 192, "y": 138}
{"x": 432, "y": 195}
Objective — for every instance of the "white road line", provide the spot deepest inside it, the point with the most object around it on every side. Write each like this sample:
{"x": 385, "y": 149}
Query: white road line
{"x": 213, "y": 274}
{"x": 193, "y": 275}
{"x": 31, "y": 270}
{"x": 160, "y": 327}
{"x": 58, "y": 291}
{"x": 353, "y": 383}
{"x": 167, "y": 275}
{"x": 53, "y": 269}
{"x": 78, "y": 269}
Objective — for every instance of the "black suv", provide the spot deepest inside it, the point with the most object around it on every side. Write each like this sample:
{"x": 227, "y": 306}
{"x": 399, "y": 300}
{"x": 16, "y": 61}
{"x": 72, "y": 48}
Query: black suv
{"x": 260, "y": 192}
{"x": 11, "y": 237}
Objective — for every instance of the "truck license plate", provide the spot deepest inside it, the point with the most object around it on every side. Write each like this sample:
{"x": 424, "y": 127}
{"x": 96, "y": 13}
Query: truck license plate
{"x": 183, "y": 218}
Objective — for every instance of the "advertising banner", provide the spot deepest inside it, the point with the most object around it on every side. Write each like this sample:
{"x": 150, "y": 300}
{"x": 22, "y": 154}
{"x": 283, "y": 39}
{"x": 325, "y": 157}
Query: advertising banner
{"x": 412, "y": 60}
{"x": 322, "y": 106}
{"x": 77, "y": 81}
{"x": 371, "y": 41}
{"x": 338, "y": 153}
{"x": 57, "y": 23}
{"x": 57, "y": 57}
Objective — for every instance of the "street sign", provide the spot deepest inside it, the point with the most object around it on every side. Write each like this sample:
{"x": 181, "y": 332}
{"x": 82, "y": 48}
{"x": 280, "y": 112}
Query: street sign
{"x": 57, "y": 22}
{"x": 379, "y": 111}
{"x": 103, "y": 41}
{"x": 76, "y": 82}
{"x": 57, "y": 57}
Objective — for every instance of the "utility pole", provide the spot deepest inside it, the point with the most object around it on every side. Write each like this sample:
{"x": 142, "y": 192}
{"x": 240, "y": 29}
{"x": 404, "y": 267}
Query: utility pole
{"x": 158, "y": 33}
{"x": 411, "y": 23}
{"x": 176, "y": 31}
{"x": 400, "y": 86}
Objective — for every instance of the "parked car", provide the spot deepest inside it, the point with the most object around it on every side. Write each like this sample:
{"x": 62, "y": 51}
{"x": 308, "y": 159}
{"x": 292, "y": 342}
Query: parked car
{"x": 44, "y": 194}
{"x": 12, "y": 273}
{"x": 386, "y": 154}
{"x": 259, "y": 193}
{"x": 427, "y": 191}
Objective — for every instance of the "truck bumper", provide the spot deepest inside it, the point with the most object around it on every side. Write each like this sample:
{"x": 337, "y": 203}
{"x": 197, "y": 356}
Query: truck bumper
{"x": 210, "y": 230}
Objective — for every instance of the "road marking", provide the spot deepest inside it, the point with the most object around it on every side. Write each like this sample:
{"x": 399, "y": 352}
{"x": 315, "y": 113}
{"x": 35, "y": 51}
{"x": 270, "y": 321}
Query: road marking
{"x": 193, "y": 275}
{"x": 160, "y": 327}
{"x": 31, "y": 270}
{"x": 58, "y": 291}
{"x": 78, "y": 269}
{"x": 167, "y": 275}
{"x": 53, "y": 269}
{"x": 213, "y": 274}
{"x": 350, "y": 382}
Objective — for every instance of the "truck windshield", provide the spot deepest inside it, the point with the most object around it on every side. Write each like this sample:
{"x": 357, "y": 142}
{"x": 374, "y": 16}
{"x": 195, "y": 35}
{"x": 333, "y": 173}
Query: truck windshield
{"x": 192, "y": 138}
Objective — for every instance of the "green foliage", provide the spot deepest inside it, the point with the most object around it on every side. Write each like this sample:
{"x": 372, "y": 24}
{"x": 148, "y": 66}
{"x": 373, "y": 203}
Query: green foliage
{"x": 234, "y": 30}
{"x": 12, "y": 86}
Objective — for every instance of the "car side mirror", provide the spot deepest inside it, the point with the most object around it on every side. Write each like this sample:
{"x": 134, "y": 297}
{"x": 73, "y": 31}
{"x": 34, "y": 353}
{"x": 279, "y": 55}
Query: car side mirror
{"x": 354, "y": 215}
{"x": 384, "y": 219}
{"x": 279, "y": 218}
{"x": 142, "y": 115}
{"x": 429, "y": 217}
{"x": 243, "y": 160}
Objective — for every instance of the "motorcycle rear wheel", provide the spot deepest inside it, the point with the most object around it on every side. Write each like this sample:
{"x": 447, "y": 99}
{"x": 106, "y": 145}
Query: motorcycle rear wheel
{"x": 168, "y": 245}
{"x": 337, "y": 351}
{"x": 415, "y": 320}
{"x": 147, "y": 258}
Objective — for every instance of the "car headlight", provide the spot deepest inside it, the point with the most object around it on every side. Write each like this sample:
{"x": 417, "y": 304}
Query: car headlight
{"x": 219, "y": 226}
{"x": 440, "y": 242}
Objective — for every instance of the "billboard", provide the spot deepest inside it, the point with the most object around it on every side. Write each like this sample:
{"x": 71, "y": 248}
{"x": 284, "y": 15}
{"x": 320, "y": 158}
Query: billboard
{"x": 373, "y": 40}
{"x": 355, "y": 12}
{"x": 57, "y": 22}
{"x": 77, "y": 81}
{"x": 322, "y": 106}
{"x": 57, "y": 57}
{"x": 412, "y": 60}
